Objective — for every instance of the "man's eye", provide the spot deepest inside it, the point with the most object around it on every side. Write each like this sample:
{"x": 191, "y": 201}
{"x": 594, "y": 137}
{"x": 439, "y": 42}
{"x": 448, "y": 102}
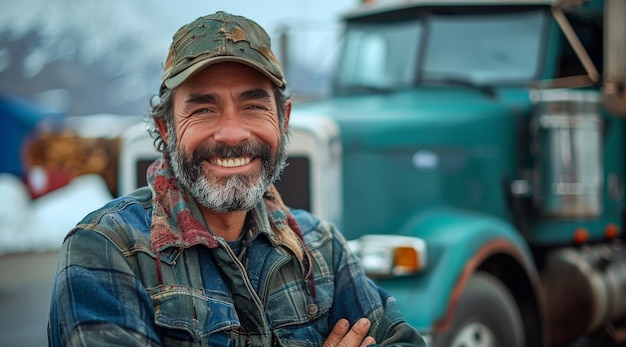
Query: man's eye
{"x": 202, "y": 111}
{"x": 255, "y": 107}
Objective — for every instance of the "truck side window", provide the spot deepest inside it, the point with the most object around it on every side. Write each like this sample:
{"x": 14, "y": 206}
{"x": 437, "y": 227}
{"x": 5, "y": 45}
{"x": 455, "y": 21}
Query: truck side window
{"x": 380, "y": 55}
{"x": 589, "y": 31}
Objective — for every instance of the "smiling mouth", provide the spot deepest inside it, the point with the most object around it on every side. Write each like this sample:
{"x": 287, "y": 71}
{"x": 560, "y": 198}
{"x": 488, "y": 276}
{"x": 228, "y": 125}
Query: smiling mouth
{"x": 231, "y": 162}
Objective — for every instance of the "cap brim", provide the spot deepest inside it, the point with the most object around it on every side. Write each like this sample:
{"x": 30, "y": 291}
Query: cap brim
{"x": 178, "y": 79}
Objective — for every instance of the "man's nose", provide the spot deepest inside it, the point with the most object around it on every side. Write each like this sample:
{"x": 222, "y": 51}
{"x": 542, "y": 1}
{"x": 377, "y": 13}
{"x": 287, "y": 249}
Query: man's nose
{"x": 231, "y": 131}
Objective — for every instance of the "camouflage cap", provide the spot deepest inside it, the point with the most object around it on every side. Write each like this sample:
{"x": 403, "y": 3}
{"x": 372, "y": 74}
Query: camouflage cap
{"x": 220, "y": 37}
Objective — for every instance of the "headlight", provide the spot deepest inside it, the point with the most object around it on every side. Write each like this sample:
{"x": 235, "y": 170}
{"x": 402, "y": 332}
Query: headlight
{"x": 390, "y": 255}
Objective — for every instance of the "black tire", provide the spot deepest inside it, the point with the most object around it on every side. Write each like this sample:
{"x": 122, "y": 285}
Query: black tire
{"x": 486, "y": 316}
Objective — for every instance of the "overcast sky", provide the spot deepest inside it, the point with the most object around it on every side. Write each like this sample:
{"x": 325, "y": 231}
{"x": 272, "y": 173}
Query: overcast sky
{"x": 314, "y": 21}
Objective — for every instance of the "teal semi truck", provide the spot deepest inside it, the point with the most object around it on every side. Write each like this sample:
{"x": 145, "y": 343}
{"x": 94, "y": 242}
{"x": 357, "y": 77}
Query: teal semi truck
{"x": 473, "y": 152}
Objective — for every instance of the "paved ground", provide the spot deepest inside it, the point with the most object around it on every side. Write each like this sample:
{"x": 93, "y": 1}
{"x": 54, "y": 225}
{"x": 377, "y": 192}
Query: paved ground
{"x": 25, "y": 285}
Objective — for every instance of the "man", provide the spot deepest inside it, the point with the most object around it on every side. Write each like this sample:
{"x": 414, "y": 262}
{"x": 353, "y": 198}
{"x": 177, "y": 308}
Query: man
{"x": 208, "y": 254}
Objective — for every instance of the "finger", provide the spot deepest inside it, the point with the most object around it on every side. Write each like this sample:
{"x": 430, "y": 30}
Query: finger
{"x": 357, "y": 333}
{"x": 368, "y": 341}
{"x": 339, "y": 331}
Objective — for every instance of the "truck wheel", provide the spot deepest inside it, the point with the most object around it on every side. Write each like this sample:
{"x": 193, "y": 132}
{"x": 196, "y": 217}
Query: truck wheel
{"x": 486, "y": 316}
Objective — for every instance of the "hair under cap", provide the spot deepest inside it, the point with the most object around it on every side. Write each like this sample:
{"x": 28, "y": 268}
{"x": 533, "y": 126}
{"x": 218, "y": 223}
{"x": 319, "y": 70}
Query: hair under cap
{"x": 215, "y": 38}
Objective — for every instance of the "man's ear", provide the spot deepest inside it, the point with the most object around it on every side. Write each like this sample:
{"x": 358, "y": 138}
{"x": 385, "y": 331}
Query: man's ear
{"x": 287, "y": 115}
{"x": 162, "y": 128}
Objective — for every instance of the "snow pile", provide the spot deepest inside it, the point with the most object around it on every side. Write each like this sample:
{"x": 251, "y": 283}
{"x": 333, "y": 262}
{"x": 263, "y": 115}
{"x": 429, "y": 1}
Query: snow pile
{"x": 40, "y": 225}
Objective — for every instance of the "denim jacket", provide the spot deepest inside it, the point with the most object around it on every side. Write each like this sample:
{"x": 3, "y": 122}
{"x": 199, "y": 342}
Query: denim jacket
{"x": 128, "y": 277}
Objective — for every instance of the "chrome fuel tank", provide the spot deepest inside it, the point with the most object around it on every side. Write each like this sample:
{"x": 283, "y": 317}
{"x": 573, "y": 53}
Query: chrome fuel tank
{"x": 567, "y": 132}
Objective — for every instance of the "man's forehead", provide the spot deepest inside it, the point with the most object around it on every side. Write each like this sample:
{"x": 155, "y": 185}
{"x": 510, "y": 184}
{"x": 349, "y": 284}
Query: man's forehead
{"x": 233, "y": 78}
{"x": 229, "y": 73}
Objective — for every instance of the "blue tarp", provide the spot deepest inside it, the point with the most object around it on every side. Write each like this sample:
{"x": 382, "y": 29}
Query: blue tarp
{"x": 19, "y": 119}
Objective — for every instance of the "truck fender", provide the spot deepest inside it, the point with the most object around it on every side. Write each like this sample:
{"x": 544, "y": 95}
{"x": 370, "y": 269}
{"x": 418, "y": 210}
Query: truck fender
{"x": 461, "y": 242}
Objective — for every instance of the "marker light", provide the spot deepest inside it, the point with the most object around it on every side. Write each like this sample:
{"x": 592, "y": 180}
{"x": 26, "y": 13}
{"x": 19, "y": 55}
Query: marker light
{"x": 611, "y": 231}
{"x": 581, "y": 236}
{"x": 390, "y": 255}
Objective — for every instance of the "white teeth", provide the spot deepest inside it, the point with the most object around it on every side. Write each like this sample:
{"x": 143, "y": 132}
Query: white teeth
{"x": 230, "y": 162}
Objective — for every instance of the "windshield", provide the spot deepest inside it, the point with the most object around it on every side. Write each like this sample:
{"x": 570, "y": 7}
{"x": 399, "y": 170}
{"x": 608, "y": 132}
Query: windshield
{"x": 477, "y": 49}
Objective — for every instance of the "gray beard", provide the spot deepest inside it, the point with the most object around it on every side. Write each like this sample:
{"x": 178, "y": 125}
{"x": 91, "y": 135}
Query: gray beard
{"x": 238, "y": 193}
{"x": 234, "y": 193}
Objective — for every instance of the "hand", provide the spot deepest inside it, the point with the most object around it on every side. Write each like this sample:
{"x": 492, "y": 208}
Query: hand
{"x": 344, "y": 336}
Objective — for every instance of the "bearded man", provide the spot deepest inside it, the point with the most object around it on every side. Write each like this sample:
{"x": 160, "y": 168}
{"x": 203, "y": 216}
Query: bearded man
{"x": 207, "y": 254}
